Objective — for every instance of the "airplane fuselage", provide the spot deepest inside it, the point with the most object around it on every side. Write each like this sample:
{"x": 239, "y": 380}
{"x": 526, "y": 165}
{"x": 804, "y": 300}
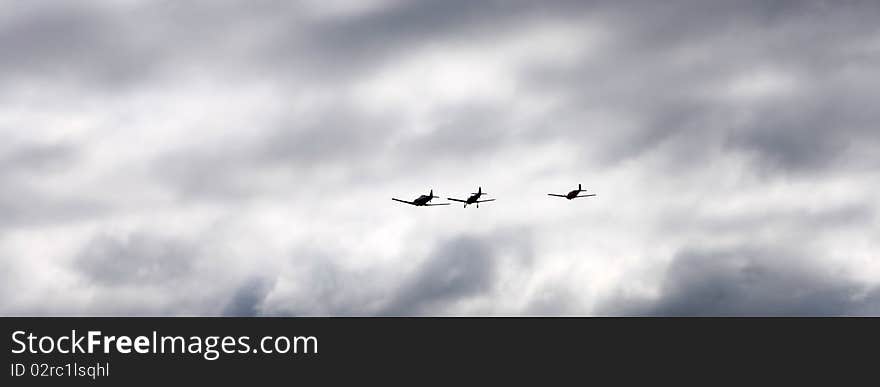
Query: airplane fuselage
{"x": 572, "y": 194}
{"x": 422, "y": 200}
{"x": 473, "y": 198}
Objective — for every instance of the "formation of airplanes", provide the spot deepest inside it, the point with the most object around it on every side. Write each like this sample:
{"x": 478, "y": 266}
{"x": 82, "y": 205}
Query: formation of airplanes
{"x": 425, "y": 200}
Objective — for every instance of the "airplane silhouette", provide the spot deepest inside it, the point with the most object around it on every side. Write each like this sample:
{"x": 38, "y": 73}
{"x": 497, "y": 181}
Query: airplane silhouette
{"x": 573, "y": 194}
{"x": 422, "y": 200}
{"x": 474, "y": 198}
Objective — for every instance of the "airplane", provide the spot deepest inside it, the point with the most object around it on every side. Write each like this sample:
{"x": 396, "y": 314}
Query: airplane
{"x": 474, "y": 198}
{"x": 573, "y": 194}
{"x": 422, "y": 200}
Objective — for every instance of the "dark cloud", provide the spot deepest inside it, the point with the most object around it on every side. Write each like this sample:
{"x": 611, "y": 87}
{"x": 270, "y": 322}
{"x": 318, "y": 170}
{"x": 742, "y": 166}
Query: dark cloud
{"x": 457, "y": 270}
{"x": 138, "y": 259}
{"x": 814, "y": 133}
{"x": 554, "y": 299}
{"x": 670, "y": 66}
{"x": 751, "y": 281}
{"x": 318, "y": 285}
{"x": 246, "y": 300}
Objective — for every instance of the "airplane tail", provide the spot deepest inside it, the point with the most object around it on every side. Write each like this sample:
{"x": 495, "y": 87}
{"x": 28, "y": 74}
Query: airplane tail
{"x": 479, "y": 191}
{"x": 431, "y": 194}
{"x": 579, "y": 187}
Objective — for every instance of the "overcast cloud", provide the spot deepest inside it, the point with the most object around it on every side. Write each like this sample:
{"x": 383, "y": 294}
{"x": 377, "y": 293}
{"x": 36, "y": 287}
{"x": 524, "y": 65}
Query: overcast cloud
{"x": 209, "y": 158}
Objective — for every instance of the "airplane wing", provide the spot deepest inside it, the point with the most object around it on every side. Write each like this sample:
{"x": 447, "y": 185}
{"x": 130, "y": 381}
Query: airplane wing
{"x": 402, "y": 201}
{"x": 457, "y": 200}
{"x": 437, "y": 204}
{"x": 561, "y": 196}
{"x": 584, "y": 196}
{"x": 487, "y": 200}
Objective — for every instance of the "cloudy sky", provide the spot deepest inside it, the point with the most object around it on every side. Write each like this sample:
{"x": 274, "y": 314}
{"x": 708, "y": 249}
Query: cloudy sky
{"x": 209, "y": 158}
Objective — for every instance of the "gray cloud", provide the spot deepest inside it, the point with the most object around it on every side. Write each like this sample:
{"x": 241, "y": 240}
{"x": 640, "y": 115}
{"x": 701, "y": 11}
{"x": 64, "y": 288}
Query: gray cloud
{"x": 670, "y": 70}
{"x": 31, "y": 158}
{"x": 458, "y": 275}
{"x": 81, "y": 43}
{"x": 456, "y": 270}
{"x": 368, "y": 147}
{"x": 166, "y": 275}
{"x": 323, "y": 287}
{"x": 814, "y": 133}
{"x": 348, "y": 47}
{"x": 818, "y": 221}
{"x": 332, "y": 137}
{"x": 25, "y": 169}
{"x": 752, "y": 282}
{"x": 246, "y": 300}
{"x": 24, "y": 206}
{"x": 9, "y": 275}
{"x": 138, "y": 259}
{"x": 107, "y": 45}
{"x": 554, "y": 300}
